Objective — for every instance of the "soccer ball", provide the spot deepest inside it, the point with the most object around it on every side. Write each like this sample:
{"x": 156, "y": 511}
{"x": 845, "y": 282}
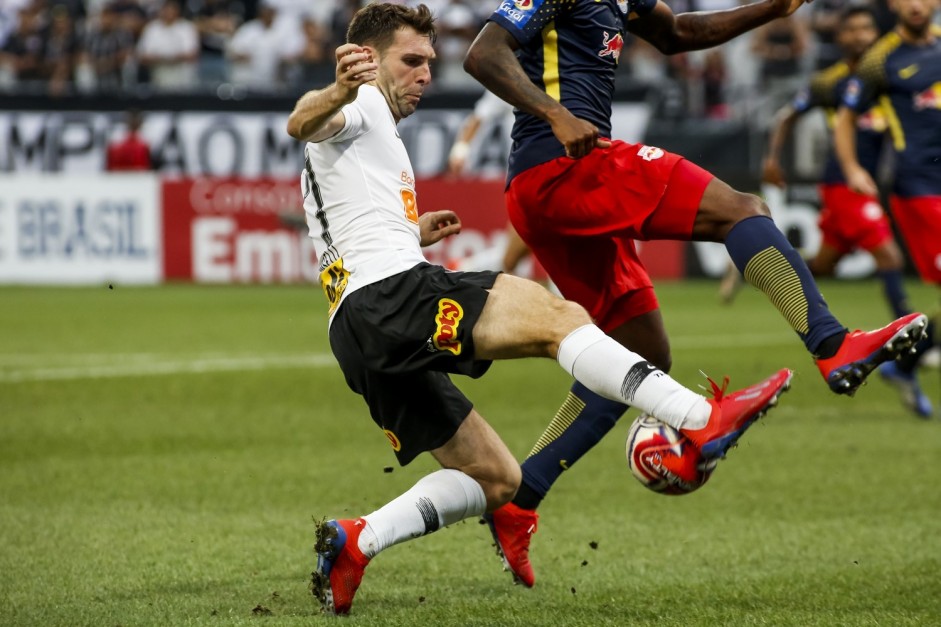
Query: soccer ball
{"x": 664, "y": 460}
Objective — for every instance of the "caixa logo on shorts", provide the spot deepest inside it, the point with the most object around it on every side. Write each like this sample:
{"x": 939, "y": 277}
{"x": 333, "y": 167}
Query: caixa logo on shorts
{"x": 446, "y": 322}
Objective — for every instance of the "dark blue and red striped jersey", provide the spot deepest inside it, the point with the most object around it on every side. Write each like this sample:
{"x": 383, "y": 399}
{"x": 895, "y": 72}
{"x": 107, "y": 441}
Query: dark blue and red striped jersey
{"x": 826, "y": 91}
{"x": 570, "y": 49}
{"x": 906, "y": 80}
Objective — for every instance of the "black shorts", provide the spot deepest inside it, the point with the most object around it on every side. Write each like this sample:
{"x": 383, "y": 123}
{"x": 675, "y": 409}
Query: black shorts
{"x": 396, "y": 341}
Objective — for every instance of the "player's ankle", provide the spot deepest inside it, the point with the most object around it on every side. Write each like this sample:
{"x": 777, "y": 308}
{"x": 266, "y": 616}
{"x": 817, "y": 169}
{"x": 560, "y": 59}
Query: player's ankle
{"x": 829, "y": 346}
{"x": 527, "y": 497}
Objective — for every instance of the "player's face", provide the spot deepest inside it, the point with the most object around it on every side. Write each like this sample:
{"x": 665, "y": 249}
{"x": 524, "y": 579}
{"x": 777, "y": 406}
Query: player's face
{"x": 915, "y": 15}
{"x": 856, "y": 35}
{"x": 405, "y": 71}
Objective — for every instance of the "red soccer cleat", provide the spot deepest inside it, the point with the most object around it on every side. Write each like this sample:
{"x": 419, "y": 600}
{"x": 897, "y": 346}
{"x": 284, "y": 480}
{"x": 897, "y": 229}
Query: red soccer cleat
{"x": 732, "y": 414}
{"x": 861, "y": 352}
{"x": 512, "y": 528}
{"x": 340, "y": 564}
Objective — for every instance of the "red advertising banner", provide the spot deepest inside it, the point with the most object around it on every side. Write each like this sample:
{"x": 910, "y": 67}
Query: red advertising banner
{"x": 236, "y": 230}
{"x": 233, "y": 231}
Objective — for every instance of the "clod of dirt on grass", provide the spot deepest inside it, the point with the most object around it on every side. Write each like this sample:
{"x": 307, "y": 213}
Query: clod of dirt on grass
{"x": 584, "y": 562}
{"x": 388, "y": 469}
{"x": 573, "y": 589}
{"x": 261, "y": 610}
{"x": 593, "y": 545}
{"x": 421, "y": 599}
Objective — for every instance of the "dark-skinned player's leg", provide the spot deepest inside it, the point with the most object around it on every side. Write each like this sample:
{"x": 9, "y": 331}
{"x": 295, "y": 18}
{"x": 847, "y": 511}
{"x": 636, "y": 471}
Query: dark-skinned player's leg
{"x": 770, "y": 263}
{"x": 902, "y": 373}
{"x": 581, "y": 422}
{"x": 602, "y": 260}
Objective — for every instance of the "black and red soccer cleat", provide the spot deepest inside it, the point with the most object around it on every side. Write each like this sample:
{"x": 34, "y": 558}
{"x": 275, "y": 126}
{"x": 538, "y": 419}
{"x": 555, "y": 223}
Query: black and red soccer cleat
{"x": 862, "y": 351}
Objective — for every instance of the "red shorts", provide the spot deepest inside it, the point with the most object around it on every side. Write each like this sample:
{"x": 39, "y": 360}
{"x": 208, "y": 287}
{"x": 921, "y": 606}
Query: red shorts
{"x": 580, "y": 217}
{"x": 919, "y": 221}
{"x": 849, "y": 220}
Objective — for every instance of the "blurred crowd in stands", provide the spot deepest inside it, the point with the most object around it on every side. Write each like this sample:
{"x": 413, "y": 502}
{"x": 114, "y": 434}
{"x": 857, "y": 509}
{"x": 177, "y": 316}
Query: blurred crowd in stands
{"x": 62, "y": 47}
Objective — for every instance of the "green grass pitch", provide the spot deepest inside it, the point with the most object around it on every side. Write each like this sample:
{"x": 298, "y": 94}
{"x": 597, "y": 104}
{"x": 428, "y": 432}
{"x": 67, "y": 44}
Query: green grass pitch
{"x": 163, "y": 452}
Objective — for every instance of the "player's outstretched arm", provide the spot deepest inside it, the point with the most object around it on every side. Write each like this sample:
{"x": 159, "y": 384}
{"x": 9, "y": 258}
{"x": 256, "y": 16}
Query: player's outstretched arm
{"x": 672, "y": 34}
{"x": 844, "y": 144}
{"x": 317, "y": 114}
{"x": 781, "y": 128}
{"x": 491, "y": 60}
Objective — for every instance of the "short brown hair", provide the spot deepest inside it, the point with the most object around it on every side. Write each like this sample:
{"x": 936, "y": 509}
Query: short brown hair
{"x": 376, "y": 24}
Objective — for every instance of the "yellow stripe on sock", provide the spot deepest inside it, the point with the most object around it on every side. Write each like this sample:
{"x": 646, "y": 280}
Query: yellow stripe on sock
{"x": 770, "y": 272}
{"x": 563, "y": 419}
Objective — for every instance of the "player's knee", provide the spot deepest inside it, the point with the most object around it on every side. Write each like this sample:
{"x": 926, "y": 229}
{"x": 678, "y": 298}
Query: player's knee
{"x": 750, "y": 205}
{"x": 725, "y": 211}
{"x": 888, "y": 258}
{"x": 557, "y": 318}
{"x": 663, "y": 361}
{"x": 741, "y": 207}
{"x": 567, "y": 316}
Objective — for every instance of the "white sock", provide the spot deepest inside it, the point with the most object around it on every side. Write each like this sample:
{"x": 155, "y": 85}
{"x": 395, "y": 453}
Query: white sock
{"x": 607, "y": 368}
{"x": 442, "y": 498}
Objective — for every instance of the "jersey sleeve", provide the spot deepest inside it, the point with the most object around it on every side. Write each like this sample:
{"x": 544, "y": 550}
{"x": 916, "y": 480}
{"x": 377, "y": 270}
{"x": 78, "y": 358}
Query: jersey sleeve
{"x": 820, "y": 92}
{"x": 525, "y": 19}
{"x": 869, "y": 82}
{"x": 358, "y": 113}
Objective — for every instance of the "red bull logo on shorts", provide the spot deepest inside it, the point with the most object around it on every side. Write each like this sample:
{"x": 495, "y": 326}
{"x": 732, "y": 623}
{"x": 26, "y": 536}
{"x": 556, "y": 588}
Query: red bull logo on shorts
{"x": 448, "y": 318}
{"x": 928, "y": 99}
{"x": 649, "y": 153}
{"x": 611, "y": 46}
{"x": 393, "y": 440}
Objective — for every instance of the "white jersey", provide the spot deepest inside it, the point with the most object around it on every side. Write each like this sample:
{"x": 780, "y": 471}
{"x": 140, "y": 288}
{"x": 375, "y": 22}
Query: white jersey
{"x": 359, "y": 198}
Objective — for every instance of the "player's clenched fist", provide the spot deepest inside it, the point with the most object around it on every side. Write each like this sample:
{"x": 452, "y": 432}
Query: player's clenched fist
{"x": 355, "y": 67}
{"x": 578, "y": 136}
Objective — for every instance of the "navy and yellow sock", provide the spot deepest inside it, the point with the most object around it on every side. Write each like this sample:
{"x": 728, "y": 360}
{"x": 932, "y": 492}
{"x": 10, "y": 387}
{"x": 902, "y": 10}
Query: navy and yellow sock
{"x": 766, "y": 260}
{"x": 580, "y": 423}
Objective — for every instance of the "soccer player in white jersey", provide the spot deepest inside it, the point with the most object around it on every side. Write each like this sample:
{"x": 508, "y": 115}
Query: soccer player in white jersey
{"x": 398, "y": 325}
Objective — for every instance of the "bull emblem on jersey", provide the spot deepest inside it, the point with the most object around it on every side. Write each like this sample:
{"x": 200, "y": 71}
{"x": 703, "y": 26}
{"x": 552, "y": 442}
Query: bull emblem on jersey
{"x": 929, "y": 99}
{"x": 873, "y": 120}
{"x": 523, "y": 5}
{"x": 612, "y": 46}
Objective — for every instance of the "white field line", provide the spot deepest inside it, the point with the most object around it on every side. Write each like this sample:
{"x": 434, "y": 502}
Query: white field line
{"x": 195, "y": 365}
{"x": 19, "y": 367}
